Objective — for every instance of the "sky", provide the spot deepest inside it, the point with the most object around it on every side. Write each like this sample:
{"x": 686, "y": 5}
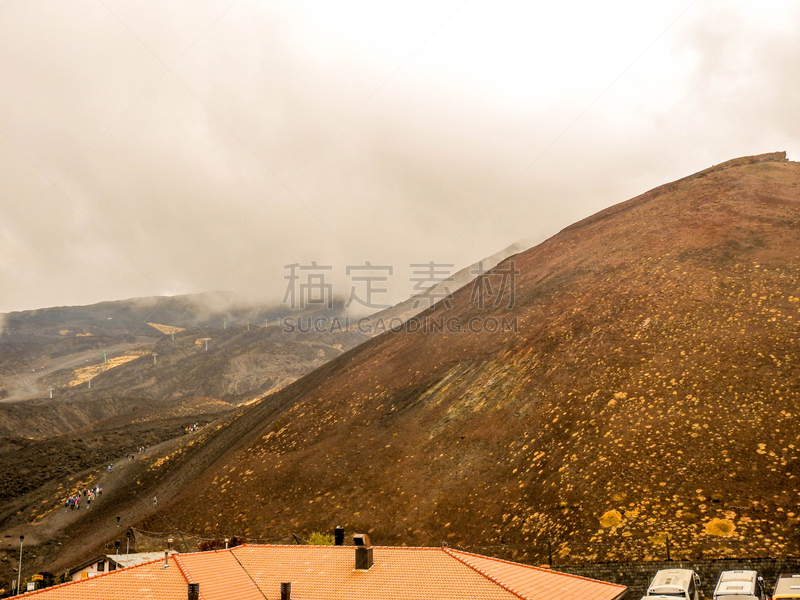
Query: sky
{"x": 171, "y": 147}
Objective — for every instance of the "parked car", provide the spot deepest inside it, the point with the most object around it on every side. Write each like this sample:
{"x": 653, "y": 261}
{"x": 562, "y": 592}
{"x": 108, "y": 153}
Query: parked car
{"x": 740, "y": 585}
{"x": 669, "y": 584}
{"x": 787, "y": 588}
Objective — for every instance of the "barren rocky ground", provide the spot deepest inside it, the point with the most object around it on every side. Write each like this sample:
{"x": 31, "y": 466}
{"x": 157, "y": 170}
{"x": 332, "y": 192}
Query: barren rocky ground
{"x": 650, "y": 390}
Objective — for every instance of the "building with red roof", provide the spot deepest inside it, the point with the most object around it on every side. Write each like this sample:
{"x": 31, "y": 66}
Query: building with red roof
{"x": 255, "y": 572}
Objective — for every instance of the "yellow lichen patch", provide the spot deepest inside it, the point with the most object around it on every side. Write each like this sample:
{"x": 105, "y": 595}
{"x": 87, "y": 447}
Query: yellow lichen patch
{"x": 631, "y": 513}
{"x": 720, "y": 527}
{"x": 166, "y": 329}
{"x": 83, "y": 334}
{"x": 611, "y": 519}
{"x": 658, "y": 538}
{"x": 64, "y": 332}
{"x": 84, "y": 374}
{"x": 159, "y": 462}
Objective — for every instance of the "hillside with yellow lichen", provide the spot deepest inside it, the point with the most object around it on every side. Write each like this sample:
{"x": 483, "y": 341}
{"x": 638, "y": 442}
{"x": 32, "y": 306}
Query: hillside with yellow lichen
{"x": 651, "y": 390}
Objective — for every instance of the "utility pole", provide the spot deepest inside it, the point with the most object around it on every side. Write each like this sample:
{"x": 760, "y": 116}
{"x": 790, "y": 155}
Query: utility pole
{"x": 128, "y": 543}
{"x": 248, "y": 327}
{"x": 224, "y": 323}
{"x": 154, "y": 357}
{"x": 549, "y": 552}
{"x": 105, "y": 356}
{"x": 90, "y": 383}
{"x": 667, "y": 538}
{"x": 172, "y": 333}
{"x": 51, "y": 392}
{"x": 206, "y": 345}
{"x": 19, "y": 571}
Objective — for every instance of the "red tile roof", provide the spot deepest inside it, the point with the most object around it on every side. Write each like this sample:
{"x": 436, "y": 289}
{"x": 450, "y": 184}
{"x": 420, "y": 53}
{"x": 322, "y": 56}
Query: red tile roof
{"x": 220, "y": 575}
{"x": 532, "y": 583}
{"x": 328, "y": 573}
{"x": 146, "y": 581}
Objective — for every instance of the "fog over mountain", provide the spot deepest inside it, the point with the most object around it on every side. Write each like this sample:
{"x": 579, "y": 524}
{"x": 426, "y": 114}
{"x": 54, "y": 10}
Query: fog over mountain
{"x": 177, "y": 147}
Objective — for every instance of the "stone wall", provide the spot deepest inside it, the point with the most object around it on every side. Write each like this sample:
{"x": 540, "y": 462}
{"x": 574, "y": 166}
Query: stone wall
{"x": 636, "y": 576}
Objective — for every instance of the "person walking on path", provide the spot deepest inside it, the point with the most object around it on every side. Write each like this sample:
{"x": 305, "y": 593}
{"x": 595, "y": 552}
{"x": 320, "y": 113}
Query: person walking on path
{"x": 155, "y": 500}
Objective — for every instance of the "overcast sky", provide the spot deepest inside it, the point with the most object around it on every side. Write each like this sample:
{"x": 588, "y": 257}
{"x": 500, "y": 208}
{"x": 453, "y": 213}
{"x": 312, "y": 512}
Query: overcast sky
{"x": 169, "y": 147}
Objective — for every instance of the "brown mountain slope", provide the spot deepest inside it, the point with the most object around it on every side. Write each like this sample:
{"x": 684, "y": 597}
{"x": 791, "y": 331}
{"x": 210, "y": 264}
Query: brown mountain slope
{"x": 652, "y": 388}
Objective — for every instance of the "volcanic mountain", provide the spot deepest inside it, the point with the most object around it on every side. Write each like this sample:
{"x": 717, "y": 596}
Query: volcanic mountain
{"x": 651, "y": 388}
{"x": 640, "y": 381}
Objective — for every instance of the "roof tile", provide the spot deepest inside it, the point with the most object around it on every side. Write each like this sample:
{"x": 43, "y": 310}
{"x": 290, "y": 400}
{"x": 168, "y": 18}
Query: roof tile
{"x": 328, "y": 573}
{"x": 146, "y": 581}
{"x": 535, "y": 583}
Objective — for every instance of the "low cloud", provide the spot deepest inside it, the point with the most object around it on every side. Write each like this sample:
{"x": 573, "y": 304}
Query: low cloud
{"x": 287, "y": 135}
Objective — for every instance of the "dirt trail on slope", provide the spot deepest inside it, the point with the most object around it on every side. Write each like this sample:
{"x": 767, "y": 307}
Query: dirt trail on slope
{"x": 46, "y": 524}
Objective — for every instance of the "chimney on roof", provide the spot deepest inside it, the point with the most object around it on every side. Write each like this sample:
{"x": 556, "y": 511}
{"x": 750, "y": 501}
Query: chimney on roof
{"x": 338, "y": 536}
{"x": 363, "y": 551}
{"x": 286, "y": 591}
{"x": 194, "y": 591}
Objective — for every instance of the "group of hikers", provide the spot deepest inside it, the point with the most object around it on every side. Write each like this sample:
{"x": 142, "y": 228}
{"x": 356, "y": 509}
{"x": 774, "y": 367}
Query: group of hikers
{"x": 90, "y": 494}
{"x": 132, "y": 455}
{"x": 191, "y": 428}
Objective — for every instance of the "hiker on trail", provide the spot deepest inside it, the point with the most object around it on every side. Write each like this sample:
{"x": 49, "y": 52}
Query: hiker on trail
{"x": 155, "y": 501}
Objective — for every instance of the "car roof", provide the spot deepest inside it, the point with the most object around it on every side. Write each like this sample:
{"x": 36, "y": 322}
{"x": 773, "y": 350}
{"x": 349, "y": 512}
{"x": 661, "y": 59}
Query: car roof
{"x": 670, "y": 580}
{"x": 733, "y": 583}
{"x": 788, "y": 584}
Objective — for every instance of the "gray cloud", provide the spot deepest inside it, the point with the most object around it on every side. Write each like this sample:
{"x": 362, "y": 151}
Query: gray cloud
{"x": 483, "y": 139}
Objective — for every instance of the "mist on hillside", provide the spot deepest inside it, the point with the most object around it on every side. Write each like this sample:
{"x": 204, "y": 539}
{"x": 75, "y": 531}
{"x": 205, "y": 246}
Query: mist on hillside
{"x": 210, "y": 152}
